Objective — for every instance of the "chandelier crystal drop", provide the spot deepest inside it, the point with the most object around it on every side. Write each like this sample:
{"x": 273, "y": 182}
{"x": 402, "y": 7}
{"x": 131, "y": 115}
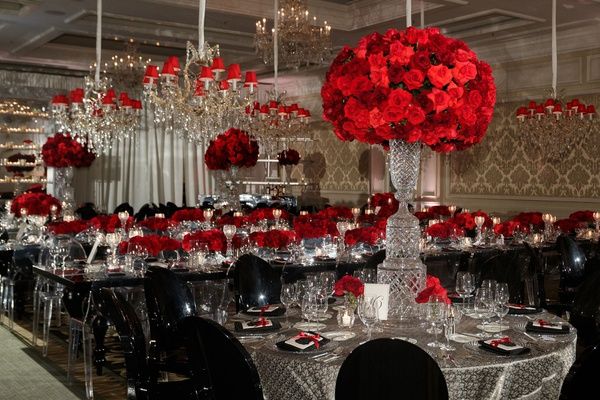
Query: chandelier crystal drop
{"x": 553, "y": 128}
{"x": 201, "y": 100}
{"x": 301, "y": 40}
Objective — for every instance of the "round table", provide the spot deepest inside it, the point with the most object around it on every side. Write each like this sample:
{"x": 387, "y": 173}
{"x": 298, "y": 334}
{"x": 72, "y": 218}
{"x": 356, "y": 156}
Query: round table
{"x": 471, "y": 373}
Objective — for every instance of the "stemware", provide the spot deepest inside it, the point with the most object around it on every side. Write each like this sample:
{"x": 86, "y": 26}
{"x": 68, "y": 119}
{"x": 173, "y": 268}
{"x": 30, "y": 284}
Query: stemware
{"x": 327, "y": 281}
{"x": 229, "y": 232}
{"x": 342, "y": 227}
{"x": 355, "y": 215}
{"x": 502, "y": 298}
{"x": 113, "y": 240}
{"x": 451, "y": 320}
{"x": 63, "y": 250}
{"x": 197, "y": 254}
{"x": 435, "y": 314}
{"x": 479, "y": 221}
{"x": 208, "y": 215}
{"x": 368, "y": 312}
{"x": 277, "y": 215}
{"x": 309, "y": 305}
{"x": 288, "y": 297}
{"x": 465, "y": 284}
{"x": 123, "y": 217}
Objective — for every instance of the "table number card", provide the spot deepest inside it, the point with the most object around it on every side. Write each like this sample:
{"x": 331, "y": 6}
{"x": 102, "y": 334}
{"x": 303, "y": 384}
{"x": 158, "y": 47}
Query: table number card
{"x": 382, "y": 290}
{"x": 94, "y": 250}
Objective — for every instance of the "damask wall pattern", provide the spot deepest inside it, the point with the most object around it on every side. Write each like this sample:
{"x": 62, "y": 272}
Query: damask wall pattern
{"x": 505, "y": 165}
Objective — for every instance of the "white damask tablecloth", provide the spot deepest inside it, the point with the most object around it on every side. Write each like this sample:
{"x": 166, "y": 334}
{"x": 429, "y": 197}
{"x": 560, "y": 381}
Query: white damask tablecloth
{"x": 471, "y": 374}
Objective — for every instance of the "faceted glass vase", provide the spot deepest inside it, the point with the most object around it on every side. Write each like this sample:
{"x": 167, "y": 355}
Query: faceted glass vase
{"x": 63, "y": 182}
{"x": 402, "y": 268}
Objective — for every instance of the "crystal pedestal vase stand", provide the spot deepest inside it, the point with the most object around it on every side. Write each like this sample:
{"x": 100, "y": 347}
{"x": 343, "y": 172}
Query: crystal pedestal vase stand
{"x": 63, "y": 183}
{"x": 230, "y": 188}
{"x": 403, "y": 269}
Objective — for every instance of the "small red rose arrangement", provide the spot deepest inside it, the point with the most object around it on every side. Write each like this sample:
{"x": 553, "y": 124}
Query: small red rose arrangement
{"x": 34, "y": 204}
{"x": 273, "y": 239}
{"x": 61, "y": 151}
{"x": 68, "y": 227}
{"x": 314, "y": 226}
{"x": 433, "y": 287}
{"x": 156, "y": 224}
{"x": 214, "y": 239}
{"x": 415, "y": 85}
{"x": 386, "y": 202}
{"x": 20, "y": 169}
{"x": 110, "y": 223}
{"x": 260, "y": 214}
{"x": 288, "y": 157}
{"x": 234, "y": 148}
{"x": 370, "y": 235}
{"x": 445, "y": 230}
{"x": 188, "y": 214}
{"x": 153, "y": 244}
{"x": 350, "y": 287}
{"x": 336, "y": 212}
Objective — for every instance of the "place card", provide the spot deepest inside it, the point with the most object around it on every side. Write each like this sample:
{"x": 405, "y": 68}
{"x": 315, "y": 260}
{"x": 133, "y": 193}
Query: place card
{"x": 271, "y": 310}
{"x": 304, "y": 341}
{"x": 541, "y": 326}
{"x": 382, "y": 290}
{"x": 503, "y": 346}
{"x": 257, "y": 326}
{"x": 517, "y": 309}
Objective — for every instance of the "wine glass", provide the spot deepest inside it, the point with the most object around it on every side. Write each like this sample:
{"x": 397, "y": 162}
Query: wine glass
{"x": 435, "y": 314}
{"x": 197, "y": 252}
{"x": 479, "y": 221}
{"x": 465, "y": 284}
{"x": 276, "y": 215}
{"x": 64, "y": 249}
{"x": 288, "y": 297}
{"x": 355, "y": 214}
{"x": 123, "y": 217}
{"x": 229, "y": 231}
{"x": 322, "y": 303}
{"x": 452, "y": 318}
{"x": 308, "y": 306}
{"x": 208, "y": 215}
{"x": 502, "y": 299}
{"x": 368, "y": 312}
{"x": 113, "y": 240}
{"x": 484, "y": 306}
{"x": 327, "y": 281}
{"x": 342, "y": 227}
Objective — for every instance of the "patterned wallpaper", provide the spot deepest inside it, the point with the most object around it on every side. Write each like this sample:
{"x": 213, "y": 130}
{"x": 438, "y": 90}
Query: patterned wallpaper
{"x": 504, "y": 165}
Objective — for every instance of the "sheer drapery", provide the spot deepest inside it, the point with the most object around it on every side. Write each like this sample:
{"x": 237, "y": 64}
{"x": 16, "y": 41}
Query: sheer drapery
{"x": 155, "y": 167}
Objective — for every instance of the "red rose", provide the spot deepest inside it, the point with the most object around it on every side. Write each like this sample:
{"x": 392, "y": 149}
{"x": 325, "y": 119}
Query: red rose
{"x": 349, "y": 284}
{"x": 413, "y": 79}
{"x": 433, "y": 287}
{"x": 440, "y": 99}
{"x": 420, "y": 60}
{"x": 369, "y": 235}
{"x": 231, "y": 148}
{"x": 582, "y": 216}
{"x": 567, "y": 225}
{"x": 439, "y": 75}
{"x": 464, "y": 72}
{"x": 400, "y": 54}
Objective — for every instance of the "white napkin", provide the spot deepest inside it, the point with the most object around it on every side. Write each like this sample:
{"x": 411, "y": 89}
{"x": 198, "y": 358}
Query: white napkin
{"x": 504, "y": 347}
{"x": 269, "y": 309}
{"x": 548, "y": 325}
{"x": 292, "y": 342}
{"x": 246, "y": 324}
{"x": 518, "y": 307}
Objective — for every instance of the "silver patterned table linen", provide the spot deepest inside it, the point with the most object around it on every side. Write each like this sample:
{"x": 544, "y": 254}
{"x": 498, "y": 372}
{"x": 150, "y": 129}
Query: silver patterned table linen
{"x": 471, "y": 373}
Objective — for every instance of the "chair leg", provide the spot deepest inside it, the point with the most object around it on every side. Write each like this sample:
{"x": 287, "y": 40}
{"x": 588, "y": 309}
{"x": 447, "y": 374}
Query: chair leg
{"x": 74, "y": 338}
{"x": 86, "y": 334}
{"x": 47, "y": 321}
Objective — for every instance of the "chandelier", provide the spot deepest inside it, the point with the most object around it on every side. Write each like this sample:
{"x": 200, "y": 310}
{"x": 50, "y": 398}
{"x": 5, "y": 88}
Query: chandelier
{"x": 94, "y": 113}
{"x": 301, "y": 41}
{"x": 553, "y": 127}
{"x": 204, "y": 98}
{"x": 126, "y": 72}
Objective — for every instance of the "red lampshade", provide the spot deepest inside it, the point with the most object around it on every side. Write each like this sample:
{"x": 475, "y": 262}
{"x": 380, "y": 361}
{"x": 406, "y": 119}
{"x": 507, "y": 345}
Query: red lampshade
{"x": 281, "y": 111}
{"x": 108, "y": 100}
{"x": 521, "y": 111}
{"x": 125, "y": 102}
{"x": 76, "y": 96}
{"x": 174, "y": 61}
{"x": 250, "y": 79}
{"x": 199, "y": 91}
{"x": 223, "y": 85}
{"x": 294, "y": 107}
{"x": 273, "y": 105}
{"x": 591, "y": 109}
{"x": 549, "y": 103}
{"x": 557, "y": 109}
{"x": 151, "y": 71}
{"x": 168, "y": 69}
{"x": 218, "y": 65}
{"x": 248, "y": 110}
{"x": 256, "y": 105}
{"x": 532, "y": 105}
{"x": 60, "y": 99}
{"x": 539, "y": 109}
{"x": 123, "y": 96}
{"x": 575, "y": 102}
{"x": 206, "y": 74}
{"x": 264, "y": 109}
{"x": 581, "y": 108}
{"x": 111, "y": 93}
{"x": 234, "y": 73}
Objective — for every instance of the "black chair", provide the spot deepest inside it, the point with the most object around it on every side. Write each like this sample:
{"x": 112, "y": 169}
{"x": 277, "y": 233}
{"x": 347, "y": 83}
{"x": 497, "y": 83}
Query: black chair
{"x": 503, "y": 267}
{"x": 582, "y": 380}
{"x": 390, "y": 369}
{"x": 141, "y": 380}
{"x": 572, "y": 270}
{"x": 229, "y": 372}
{"x": 536, "y": 291}
{"x": 255, "y": 283}
{"x": 124, "y": 207}
{"x": 375, "y": 259}
{"x": 87, "y": 211}
{"x": 168, "y": 301}
{"x": 585, "y": 311}
{"x": 146, "y": 211}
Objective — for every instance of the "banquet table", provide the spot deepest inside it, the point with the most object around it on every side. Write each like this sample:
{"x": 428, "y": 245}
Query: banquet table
{"x": 471, "y": 373}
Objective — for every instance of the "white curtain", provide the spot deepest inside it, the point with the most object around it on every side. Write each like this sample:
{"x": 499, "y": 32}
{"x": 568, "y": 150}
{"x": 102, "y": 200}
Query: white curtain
{"x": 154, "y": 167}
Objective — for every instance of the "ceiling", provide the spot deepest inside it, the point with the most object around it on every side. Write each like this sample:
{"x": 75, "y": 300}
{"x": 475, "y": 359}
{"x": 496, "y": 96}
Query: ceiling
{"x": 61, "y": 33}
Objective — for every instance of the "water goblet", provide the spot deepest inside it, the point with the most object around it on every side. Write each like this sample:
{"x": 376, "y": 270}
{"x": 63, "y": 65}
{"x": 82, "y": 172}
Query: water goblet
{"x": 435, "y": 314}
{"x": 465, "y": 284}
{"x": 208, "y": 214}
{"x": 288, "y": 297}
{"x": 355, "y": 214}
{"x": 368, "y": 313}
{"x": 479, "y": 221}
{"x": 502, "y": 297}
{"x": 277, "y": 215}
{"x": 123, "y": 218}
{"x": 229, "y": 232}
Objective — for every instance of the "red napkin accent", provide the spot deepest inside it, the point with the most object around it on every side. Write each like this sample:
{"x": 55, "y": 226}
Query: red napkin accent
{"x": 497, "y": 342}
{"x": 314, "y": 338}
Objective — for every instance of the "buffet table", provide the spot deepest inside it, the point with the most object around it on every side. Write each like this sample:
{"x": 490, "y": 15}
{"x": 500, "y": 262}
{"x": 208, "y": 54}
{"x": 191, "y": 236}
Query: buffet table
{"x": 471, "y": 373}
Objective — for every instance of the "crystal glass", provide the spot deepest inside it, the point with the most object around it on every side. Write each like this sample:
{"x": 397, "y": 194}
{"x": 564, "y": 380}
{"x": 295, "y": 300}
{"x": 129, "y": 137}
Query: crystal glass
{"x": 502, "y": 297}
{"x": 123, "y": 217}
{"x": 276, "y": 216}
{"x": 208, "y": 215}
{"x": 229, "y": 232}
{"x": 355, "y": 214}
{"x": 368, "y": 309}
{"x": 342, "y": 227}
{"x": 596, "y": 216}
{"x": 113, "y": 240}
{"x": 435, "y": 314}
{"x": 197, "y": 254}
{"x": 465, "y": 284}
{"x": 403, "y": 269}
{"x": 63, "y": 251}
{"x": 484, "y": 306}
{"x": 451, "y": 320}
{"x": 309, "y": 305}
{"x": 288, "y": 297}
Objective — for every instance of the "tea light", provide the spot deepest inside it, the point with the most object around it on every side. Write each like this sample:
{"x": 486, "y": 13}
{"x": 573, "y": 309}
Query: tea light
{"x": 425, "y": 209}
{"x": 135, "y": 232}
{"x": 390, "y": 201}
{"x": 368, "y": 211}
{"x": 479, "y": 220}
{"x": 466, "y": 210}
{"x": 496, "y": 220}
{"x": 8, "y": 206}
{"x": 452, "y": 209}
{"x": 68, "y": 218}
{"x": 238, "y": 214}
{"x": 596, "y": 216}
{"x": 23, "y": 212}
{"x": 303, "y": 212}
{"x": 547, "y": 218}
{"x": 433, "y": 221}
{"x": 276, "y": 213}
{"x": 159, "y": 215}
{"x": 538, "y": 238}
{"x": 208, "y": 214}
{"x": 355, "y": 212}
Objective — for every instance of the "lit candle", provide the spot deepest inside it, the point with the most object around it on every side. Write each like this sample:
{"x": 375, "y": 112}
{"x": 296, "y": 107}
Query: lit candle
{"x": 159, "y": 215}
{"x": 303, "y": 212}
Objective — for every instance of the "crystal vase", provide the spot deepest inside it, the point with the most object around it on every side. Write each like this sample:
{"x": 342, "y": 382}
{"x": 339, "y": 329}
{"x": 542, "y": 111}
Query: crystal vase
{"x": 230, "y": 188}
{"x": 63, "y": 187}
{"x": 402, "y": 268}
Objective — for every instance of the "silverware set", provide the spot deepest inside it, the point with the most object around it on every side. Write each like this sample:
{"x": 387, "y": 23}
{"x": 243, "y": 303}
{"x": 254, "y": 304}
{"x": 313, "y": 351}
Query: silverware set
{"x": 328, "y": 356}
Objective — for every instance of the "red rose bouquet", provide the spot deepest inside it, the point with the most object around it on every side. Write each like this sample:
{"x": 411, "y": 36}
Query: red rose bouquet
{"x": 238, "y": 221}
{"x": 61, "y": 151}
{"x": 35, "y": 204}
{"x": 582, "y": 216}
{"x": 336, "y": 212}
{"x": 424, "y": 215}
{"x": 188, "y": 214}
{"x": 527, "y": 219}
{"x": 508, "y": 228}
{"x": 273, "y": 239}
{"x": 288, "y": 157}
{"x": 310, "y": 227}
{"x": 19, "y": 169}
{"x": 369, "y": 235}
{"x": 386, "y": 202}
{"x": 233, "y": 148}
{"x": 350, "y": 287}
{"x": 568, "y": 225}
{"x": 260, "y": 214}
{"x": 153, "y": 244}
{"x": 109, "y": 223}
{"x": 433, "y": 287}
{"x": 444, "y": 230}
{"x": 464, "y": 220}
{"x": 440, "y": 211}
{"x": 413, "y": 85}
{"x": 156, "y": 224}
{"x": 68, "y": 227}
{"x": 214, "y": 239}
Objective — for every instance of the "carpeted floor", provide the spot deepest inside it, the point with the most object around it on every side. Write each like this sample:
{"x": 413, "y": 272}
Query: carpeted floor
{"x": 24, "y": 374}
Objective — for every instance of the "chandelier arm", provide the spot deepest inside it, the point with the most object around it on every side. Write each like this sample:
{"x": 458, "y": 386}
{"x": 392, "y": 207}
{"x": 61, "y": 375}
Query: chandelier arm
{"x": 276, "y": 48}
{"x": 98, "y": 39}
{"x": 408, "y": 13}
{"x": 554, "y": 52}
{"x": 201, "y": 14}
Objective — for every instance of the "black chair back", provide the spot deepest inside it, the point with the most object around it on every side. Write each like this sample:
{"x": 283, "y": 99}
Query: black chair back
{"x": 535, "y": 274}
{"x": 582, "y": 380}
{"x": 87, "y": 211}
{"x": 375, "y": 259}
{"x": 585, "y": 311}
{"x": 229, "y": 370}
{"x": 255, "y": 283}
{"x": 573, "y": 262}
{"x": 146, "y": 211}
{"x": 385, "y": 369}
{"x": 168, "y": 301}
{"x": 124, "y": 207}
{"x": 131, "y": 335}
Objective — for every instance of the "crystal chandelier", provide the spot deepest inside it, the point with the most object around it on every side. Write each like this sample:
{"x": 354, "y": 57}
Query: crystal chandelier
{"x": 300, "y": 40}
{"x": 204, "y": 98}
{"x": 94, "y": 113}
{"x": 126, "y": 72}
{"x": 553, "y": 127}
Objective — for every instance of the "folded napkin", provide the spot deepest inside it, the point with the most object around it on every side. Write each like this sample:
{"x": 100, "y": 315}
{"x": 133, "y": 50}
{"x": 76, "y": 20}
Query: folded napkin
{"x": 503, "y": 346}
{"x": 257, "y": 326}
{"x": 303, "y": 341}
{"x": 542, "y": 326}
{"x": 272, "y": 310}
{"x": 521, "y": 309}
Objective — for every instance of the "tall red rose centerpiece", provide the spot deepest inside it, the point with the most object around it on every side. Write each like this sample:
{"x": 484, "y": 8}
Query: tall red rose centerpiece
{"x": 405, "y": 89}
{"x": 228, "y": 152}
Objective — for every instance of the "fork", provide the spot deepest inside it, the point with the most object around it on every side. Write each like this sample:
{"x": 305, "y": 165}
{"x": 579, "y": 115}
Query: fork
{"x": 334, "y": 356}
